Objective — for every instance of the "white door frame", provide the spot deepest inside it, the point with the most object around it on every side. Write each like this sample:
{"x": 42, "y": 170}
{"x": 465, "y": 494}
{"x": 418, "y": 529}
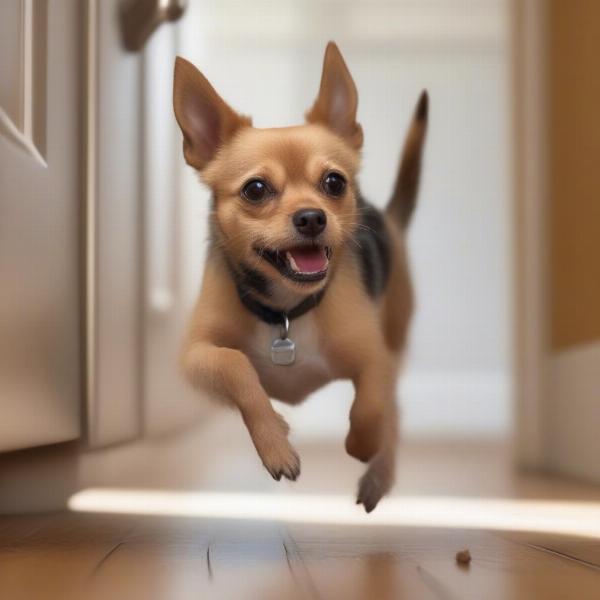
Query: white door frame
{"x": 557, "y": 391}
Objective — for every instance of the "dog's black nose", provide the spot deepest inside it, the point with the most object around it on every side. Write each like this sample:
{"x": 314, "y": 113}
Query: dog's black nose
{"x": 310, "y": 221}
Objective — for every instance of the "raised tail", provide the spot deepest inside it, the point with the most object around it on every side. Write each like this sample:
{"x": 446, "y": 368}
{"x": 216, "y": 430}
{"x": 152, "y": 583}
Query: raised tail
{"x": 404, "y": 198}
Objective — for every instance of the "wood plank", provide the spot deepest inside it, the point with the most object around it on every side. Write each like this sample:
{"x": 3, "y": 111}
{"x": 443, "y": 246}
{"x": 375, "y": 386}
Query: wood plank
{"x": 50, "y": 557}
{"x": 185, "y": 559}
{"x": 358, "y": 563}
{"x": 91, "y": 556}
{"x": 501, "y": 569}
{"x": 252, "y": 561}
{"x": 158, "y": 558}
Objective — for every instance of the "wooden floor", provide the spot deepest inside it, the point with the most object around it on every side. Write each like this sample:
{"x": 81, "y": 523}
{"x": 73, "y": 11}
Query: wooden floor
{"x": 107, "y": 556}
{"x": 64, "y": 556}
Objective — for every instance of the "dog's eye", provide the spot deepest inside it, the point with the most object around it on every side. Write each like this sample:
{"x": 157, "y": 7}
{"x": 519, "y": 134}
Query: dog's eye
{"x": 333, "y": 184}
{"x": 255, "y": 190}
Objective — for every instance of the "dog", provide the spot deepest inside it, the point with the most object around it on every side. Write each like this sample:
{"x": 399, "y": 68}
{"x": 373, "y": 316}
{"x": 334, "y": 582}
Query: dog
{"x": 305, "y": 282}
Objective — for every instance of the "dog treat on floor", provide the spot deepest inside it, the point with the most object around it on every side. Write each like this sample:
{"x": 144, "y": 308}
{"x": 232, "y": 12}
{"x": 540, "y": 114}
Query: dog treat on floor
{"x": 305, "y": 282}
{"x": 463, "y": 557}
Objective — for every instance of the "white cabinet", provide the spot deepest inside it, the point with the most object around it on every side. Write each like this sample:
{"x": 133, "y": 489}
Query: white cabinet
{"x": 40, "y": 200}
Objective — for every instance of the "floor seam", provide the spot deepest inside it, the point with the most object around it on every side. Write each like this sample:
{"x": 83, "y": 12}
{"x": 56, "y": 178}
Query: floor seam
{"x": 312, "y": 588}
{"x": 105, "y": 558}
{"x": 208, "y": 562}
{"x": 580, "y": 561}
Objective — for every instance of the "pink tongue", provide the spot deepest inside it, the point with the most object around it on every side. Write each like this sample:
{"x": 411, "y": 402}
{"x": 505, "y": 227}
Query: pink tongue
{"x": 310, "y": 260}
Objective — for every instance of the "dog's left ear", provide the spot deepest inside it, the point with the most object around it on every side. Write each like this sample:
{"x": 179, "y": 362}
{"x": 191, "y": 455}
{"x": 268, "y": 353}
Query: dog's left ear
{"x": 337, "y": 101}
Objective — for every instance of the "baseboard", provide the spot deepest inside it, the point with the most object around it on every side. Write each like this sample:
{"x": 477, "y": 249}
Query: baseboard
{"x": 39, "y": 479}
{"x": 444, "y": 405}
{"x": 574, "y": 415}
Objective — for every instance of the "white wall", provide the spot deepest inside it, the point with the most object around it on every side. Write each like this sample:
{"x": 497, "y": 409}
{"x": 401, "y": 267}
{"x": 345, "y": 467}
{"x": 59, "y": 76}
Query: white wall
{"x": 264, "y": 57}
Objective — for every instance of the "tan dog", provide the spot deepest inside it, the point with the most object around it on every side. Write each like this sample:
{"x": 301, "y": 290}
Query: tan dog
{"x": 305, "y": 282}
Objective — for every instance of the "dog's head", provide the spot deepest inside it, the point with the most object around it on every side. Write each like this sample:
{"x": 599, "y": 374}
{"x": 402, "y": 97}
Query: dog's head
{"x": 285, "y": 199}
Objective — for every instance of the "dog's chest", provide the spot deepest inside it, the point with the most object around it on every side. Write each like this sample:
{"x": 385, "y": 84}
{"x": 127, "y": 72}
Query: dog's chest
{"x": 310, "y": 370}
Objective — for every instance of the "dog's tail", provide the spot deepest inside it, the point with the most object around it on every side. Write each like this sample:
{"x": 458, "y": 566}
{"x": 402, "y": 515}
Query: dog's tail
{"x": 403, "y": 200}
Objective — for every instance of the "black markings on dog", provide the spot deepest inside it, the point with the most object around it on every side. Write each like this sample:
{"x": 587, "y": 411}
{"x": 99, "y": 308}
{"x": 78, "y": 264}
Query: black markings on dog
{"x": 249, "y": 280}
{"x": 404, "y": 197}
{"x": 422, "y": 107}
{"x": 373, "y": 249}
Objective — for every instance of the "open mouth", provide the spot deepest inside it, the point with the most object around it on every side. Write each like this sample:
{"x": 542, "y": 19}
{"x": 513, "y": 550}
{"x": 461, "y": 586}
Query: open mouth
{"x": 300, "y": 263}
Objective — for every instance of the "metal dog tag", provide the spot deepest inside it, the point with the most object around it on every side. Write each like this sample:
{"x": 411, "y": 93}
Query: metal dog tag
{"x": 283, "y": 350}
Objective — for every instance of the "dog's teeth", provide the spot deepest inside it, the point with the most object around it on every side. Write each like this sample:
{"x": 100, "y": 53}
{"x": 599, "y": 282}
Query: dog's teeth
{"x": 292, "y": 262}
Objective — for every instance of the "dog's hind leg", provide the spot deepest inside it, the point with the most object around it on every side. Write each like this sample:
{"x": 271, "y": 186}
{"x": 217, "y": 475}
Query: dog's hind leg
{"x": 379, "y": 477}
{"x": 375, "y": 391}
{"x": 373, "y": 431}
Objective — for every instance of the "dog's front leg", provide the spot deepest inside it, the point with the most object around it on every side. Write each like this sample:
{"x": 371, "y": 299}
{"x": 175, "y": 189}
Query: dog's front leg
{"x": 229, "y": 374}
{"x": 374, "y": 430}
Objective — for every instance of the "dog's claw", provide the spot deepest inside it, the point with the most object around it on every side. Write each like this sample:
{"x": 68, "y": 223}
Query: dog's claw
{"x": 369, "y": 502}
{"x": 270, "y": 438}
{"x": 293, "y": 475}
{"x": 293, "y": 470}
{"x": 290, "y": 469}
{"x": 370, "y": 491}
{"x": 369, "y": 506}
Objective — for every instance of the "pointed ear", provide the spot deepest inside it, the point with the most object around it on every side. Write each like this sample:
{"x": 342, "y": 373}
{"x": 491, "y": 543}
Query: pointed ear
{"x": 337, "y": 101}
{"x": 204, "y": 117}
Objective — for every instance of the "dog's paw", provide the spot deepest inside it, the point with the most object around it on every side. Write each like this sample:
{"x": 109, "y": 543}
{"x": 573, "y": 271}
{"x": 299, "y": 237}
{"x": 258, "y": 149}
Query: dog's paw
{"x": 277, "y": 454}
{"x": 370, "y": 491}
{"x": 282, "y": 462}
{"x": 375, "y": 483}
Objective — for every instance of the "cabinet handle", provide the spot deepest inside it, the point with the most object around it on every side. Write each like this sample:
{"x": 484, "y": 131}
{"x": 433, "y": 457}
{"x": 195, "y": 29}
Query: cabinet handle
{"x": 141, "y": 18}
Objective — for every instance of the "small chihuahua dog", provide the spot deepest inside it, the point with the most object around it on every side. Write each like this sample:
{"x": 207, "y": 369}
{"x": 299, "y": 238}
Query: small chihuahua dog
{"x": 305, "y": 282}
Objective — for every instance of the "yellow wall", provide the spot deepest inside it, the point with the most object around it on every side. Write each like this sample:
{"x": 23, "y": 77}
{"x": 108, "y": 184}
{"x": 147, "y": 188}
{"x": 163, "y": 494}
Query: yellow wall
{"x": 574, "y": 174}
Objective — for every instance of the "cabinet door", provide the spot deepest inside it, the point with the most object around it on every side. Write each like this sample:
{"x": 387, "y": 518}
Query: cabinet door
{"x": 134, "y": 313}
{"x": 40, "y": 192}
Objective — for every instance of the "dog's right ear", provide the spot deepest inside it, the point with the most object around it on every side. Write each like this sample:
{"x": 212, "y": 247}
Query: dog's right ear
{"x": 206, "y": 120}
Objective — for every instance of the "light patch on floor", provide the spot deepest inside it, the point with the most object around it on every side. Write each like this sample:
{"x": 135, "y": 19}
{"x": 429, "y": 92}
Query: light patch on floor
{"x": 548, "y": 516}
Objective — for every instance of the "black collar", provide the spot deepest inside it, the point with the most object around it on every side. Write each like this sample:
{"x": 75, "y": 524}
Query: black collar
{"x": 273, "y": 316}
{"x": 247, "y": 280}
